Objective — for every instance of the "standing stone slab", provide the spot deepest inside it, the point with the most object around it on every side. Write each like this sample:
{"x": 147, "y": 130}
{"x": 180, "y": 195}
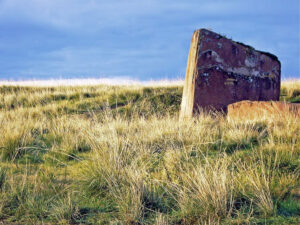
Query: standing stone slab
{"x": 221, "y": 71}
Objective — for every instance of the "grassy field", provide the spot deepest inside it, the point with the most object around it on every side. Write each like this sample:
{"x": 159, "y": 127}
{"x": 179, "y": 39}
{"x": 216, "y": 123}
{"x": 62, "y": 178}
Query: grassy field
{"x": 119, "y": 155}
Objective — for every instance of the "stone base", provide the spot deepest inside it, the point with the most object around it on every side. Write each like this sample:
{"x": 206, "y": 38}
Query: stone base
{"x": 260, "y": 109}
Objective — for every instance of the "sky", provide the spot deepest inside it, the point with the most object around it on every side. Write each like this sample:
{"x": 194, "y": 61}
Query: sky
{"x": 136, "y": 39}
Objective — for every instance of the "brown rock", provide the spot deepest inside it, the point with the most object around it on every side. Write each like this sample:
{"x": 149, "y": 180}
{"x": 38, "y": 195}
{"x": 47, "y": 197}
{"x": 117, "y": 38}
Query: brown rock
{"x": 255, "y": 109}
{"x": 220, "y": 72}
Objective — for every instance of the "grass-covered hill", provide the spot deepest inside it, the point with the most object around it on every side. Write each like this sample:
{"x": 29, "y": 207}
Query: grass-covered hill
{"x": 119, "y": 155}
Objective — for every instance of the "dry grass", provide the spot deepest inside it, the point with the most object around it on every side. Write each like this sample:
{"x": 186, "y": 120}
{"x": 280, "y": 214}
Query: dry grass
{"x": 142, "y": 167}
{"x": 291, "y": 89}
{"x": 118, "y": 81}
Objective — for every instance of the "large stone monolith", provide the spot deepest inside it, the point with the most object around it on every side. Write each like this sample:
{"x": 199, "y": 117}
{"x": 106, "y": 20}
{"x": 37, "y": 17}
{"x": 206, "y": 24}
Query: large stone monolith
{"x": 221, "y": 71}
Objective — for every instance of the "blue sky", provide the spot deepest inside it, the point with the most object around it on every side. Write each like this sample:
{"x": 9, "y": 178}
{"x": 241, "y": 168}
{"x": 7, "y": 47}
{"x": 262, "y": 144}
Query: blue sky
{"x": 138, "y": 39}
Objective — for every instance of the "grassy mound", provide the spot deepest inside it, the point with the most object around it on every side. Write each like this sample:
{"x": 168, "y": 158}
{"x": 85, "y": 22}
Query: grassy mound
{"x": 119, "y": 155}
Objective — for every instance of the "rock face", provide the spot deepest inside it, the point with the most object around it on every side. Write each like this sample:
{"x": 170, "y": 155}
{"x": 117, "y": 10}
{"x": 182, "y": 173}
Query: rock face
{"x": 255, "y": 109}
{"x": 220, "y": 72}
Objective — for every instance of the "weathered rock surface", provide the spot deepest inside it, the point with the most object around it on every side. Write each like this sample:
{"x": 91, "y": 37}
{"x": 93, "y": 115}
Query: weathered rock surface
{"x": 260, "y": 109}
{"x": 220, "y": 72}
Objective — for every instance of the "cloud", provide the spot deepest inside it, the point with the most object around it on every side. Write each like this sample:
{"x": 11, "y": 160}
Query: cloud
{"x": 144, "y": 39}
{"x": 82, "y": 13}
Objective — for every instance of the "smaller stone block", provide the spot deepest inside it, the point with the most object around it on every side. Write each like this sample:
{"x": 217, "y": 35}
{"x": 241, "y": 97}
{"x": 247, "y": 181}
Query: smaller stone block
{"x": 255, "y": 109}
